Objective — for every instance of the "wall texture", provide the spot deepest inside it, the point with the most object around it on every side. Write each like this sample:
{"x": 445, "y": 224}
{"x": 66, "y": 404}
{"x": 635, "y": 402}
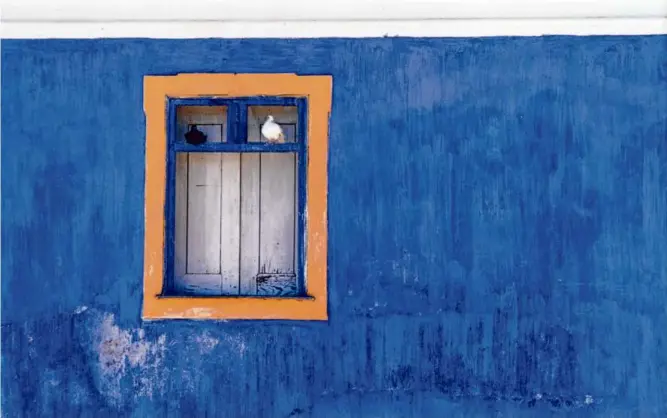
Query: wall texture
{"x": 497, "y": 247}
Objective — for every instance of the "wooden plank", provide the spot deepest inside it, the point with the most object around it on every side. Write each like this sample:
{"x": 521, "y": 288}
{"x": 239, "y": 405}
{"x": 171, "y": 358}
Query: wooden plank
{"x": 230, "y": 147}
{"x": 300, "y": 197}
{"x": 204, "y": 211}
{"x": 295, "y": 258}
{"x": 180, "y": 239}
{"x": 190, "y": 284}
{"x": 277, "y": 213}
{"x": 230, "y": 231}
{"x": 276, "y": 284}
{"x": 249, "y": 222}
{"x": 204, "y": 192}
{"x": 198, "y": 205}
{"x": 198, "y": 284}
{"x": 277, "y": 217}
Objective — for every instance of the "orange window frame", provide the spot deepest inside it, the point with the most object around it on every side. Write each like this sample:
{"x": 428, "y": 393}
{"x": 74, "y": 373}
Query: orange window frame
{"x": 318, "y": 92}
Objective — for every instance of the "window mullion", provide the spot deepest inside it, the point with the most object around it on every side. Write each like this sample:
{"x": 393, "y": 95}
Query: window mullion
{"x": 237, "y": 123}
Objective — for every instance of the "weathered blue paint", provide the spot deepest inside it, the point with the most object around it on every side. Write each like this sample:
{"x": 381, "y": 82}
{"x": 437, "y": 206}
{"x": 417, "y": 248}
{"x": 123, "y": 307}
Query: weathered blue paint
{"x": 497, "y": 234}
{"x": 170, "y": 201}
{"x": 301, "y": 129}
{"x": 246, "y": 101}
{"x": 230, "y": 147}
{"x": 242, "y": 120}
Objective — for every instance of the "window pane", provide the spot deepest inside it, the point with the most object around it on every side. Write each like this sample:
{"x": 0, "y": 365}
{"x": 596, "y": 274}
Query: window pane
{"x": 199, "y": 124}
{"x": 284, "y": 116}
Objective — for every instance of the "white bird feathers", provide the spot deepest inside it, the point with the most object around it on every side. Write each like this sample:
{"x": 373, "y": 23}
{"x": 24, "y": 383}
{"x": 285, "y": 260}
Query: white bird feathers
{"x": 272, "y": 131}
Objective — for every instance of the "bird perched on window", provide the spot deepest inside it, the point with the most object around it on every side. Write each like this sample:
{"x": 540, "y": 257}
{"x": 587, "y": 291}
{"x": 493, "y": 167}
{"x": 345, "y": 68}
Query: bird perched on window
{"x": 272, "y": 131}
{"x": 194, "y": 136}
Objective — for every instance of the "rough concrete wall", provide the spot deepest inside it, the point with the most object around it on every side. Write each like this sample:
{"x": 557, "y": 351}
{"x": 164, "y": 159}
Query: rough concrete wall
{"x": 497, "y": 221}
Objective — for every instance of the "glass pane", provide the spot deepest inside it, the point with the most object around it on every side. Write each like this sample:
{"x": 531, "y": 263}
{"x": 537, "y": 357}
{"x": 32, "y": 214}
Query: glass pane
{"x": 200, "y": 124}
{"x": 284, "y": 118}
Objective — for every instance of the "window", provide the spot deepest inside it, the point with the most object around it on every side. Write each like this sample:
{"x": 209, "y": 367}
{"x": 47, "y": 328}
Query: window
{"x": 238, "y": 215}
{"x": 236, "y": 224}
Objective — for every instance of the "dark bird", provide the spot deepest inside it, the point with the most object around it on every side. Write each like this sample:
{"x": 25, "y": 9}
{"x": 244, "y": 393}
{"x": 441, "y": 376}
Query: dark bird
{"x": 194, "y": 136}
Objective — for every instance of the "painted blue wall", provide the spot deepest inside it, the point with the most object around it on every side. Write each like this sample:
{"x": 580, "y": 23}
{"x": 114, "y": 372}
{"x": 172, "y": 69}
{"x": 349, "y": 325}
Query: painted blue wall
{"x": 497, "y": 247}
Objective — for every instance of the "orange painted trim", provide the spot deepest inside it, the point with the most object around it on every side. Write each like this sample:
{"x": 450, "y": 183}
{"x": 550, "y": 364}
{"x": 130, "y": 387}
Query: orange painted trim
{"x": 318, "y": 90}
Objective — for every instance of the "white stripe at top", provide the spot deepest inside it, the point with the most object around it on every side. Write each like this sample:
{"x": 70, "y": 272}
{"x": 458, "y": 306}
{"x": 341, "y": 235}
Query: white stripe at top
{"x": 327, "y": 18}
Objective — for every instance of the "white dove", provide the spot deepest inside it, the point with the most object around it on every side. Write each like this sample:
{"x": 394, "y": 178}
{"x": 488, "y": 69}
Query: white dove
{"x": 272, "y": 131}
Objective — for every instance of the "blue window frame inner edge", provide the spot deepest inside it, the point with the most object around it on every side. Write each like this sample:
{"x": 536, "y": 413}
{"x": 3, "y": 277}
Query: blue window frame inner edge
{"x": 237, "y": 117}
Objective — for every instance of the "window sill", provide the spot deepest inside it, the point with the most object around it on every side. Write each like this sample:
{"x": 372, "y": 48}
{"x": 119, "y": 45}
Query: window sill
{"x": 235, "y": 297}
{"x": 303, "y": 308}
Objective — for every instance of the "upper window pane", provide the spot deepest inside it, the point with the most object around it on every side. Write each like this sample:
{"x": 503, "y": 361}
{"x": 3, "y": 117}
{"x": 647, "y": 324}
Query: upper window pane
{"x": 200, "y": 124}
{"x": 284, "y": 116}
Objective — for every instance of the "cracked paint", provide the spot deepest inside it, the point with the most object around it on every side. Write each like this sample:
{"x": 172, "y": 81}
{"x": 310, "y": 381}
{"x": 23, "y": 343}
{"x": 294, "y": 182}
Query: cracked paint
{"x": 120, "y": 349}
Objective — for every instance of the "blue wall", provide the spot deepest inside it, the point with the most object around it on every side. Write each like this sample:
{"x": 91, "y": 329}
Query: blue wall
{"x": 497, "y": 247}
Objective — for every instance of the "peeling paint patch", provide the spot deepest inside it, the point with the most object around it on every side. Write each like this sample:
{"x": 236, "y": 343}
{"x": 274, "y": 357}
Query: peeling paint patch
{"x": 237, "y": 344}
{"x": 119, "y": 349}
{"x": 199, "y": 312}
{"x": 206, "y": 342}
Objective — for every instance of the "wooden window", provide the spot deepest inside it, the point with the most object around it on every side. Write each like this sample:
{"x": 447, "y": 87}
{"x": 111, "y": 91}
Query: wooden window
{"x": 238, "y": 218}
{"x": 239, "y": 222}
